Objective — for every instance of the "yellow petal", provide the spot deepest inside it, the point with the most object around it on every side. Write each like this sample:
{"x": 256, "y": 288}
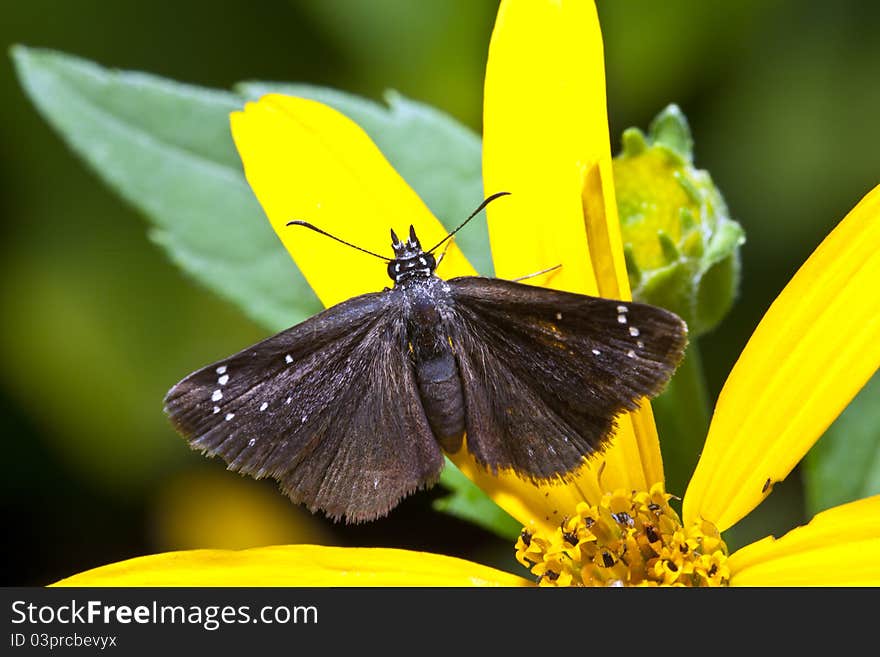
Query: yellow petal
{"x": 295, "y": 565}
{"x": 816, "y": 346}
{"x": 839, "y": 547}
{"x": 540, "y": 122}
{"x": 307, "y": 161}
{"x": 545, "y": 140}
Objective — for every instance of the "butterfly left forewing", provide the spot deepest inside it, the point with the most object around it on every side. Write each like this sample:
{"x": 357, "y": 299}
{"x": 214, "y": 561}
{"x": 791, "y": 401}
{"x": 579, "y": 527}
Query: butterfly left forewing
{"x": 546, "y": 372}
{"x": 328, "y": 408}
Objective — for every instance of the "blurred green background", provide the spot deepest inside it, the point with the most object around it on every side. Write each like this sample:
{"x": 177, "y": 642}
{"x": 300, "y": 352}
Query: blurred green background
{"x": 783, "y": 100}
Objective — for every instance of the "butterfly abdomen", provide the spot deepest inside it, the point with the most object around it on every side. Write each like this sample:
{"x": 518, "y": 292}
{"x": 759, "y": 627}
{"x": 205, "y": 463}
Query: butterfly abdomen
{"x": 442, "y": 399}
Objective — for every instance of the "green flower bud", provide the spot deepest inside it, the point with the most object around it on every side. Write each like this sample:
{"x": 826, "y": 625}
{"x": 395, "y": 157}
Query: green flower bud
{"x": 681, "y": 246}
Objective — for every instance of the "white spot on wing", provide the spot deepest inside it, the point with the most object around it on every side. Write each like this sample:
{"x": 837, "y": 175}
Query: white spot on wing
{"x": 223, "y": 380}
{"x": 304, "y": 418}
{"x": 631, "y": 353}
{"x": 221, "y": 369}
{"x": 288, "y": 359}
{"x": 252, "y": 442}
{"x": 633, "y": 331}
{"x": 217, "y": 396}
{"x": 596, "y": 352}
{"x": 288, "y": 400}
{"x": 216, "y": 410}
{"x": 558, "y": 316}
{"x": 640, "y": 344}
{"x": 264, "y": 406}
{"x": 229, "y": 416}
{"x": 622, "y": 309}
{"x": 621, "y": 319}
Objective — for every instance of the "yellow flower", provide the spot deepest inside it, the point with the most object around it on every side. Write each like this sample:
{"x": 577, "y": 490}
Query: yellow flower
{"x": 546, "y": 141}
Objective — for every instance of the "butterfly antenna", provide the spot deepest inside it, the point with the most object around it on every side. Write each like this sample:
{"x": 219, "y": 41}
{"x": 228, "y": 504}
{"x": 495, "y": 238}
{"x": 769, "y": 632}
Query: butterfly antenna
{"x": 472, "y": 215}
{"x": 306, "y": 224}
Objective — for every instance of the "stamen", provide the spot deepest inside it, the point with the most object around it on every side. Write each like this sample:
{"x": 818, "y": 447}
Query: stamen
{"x": 628, "y": 539}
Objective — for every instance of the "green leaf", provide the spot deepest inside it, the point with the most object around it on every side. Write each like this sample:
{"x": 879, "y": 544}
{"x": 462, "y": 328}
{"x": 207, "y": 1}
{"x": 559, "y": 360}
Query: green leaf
{"x": 726, "y": 239}
{"x": 166, "y": 148}
{"x": 716, "y": 292}
{"x": 845, "y": 464}
{"x": 436, "y": 155}
{"x": 468, "y": 502}
{"x": 670, "y": 129}
{"x": 633, "y": 143}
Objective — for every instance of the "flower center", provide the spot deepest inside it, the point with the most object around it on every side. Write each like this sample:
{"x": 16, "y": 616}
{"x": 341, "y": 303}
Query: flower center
{"x": 628, "y": 539}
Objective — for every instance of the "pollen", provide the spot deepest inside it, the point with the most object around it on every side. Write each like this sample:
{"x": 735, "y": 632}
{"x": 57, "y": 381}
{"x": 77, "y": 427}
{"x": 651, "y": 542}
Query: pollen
{"x": 628, "y": 539}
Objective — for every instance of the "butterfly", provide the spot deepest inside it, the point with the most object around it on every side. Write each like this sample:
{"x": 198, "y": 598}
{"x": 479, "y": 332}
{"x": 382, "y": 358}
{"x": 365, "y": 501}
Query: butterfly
{"x": 352, "y": 410}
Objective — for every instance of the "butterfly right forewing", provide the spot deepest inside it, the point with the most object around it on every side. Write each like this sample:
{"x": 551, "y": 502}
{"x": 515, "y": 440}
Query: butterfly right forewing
{"x": 545, "y": 372}
{"x": 328, "y": 408}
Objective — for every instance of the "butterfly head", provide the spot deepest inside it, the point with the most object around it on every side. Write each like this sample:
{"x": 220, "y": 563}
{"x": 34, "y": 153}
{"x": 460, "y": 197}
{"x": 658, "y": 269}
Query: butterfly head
{"x": 409, "y": 259}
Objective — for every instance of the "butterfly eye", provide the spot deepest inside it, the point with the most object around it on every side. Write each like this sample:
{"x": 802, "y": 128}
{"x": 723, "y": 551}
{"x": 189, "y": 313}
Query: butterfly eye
{"x": 393, "y": 269}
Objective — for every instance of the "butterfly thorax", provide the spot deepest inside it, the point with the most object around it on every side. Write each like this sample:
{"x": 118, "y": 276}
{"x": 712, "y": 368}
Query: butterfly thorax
{"x": 409, "y": 259}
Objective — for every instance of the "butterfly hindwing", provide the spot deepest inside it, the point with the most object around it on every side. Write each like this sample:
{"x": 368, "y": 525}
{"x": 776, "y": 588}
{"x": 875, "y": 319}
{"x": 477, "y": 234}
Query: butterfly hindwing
{"x": 328, "y": 408}
{"x": 545, "y": 372}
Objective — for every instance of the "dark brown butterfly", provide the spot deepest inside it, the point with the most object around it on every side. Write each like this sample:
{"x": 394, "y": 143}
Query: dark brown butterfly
{"x": 351, "y": 410}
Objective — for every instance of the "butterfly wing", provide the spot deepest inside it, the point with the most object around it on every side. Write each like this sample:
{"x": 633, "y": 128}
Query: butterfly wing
{"x": 546, "y": 372}
{"x": 328, "y": 408}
